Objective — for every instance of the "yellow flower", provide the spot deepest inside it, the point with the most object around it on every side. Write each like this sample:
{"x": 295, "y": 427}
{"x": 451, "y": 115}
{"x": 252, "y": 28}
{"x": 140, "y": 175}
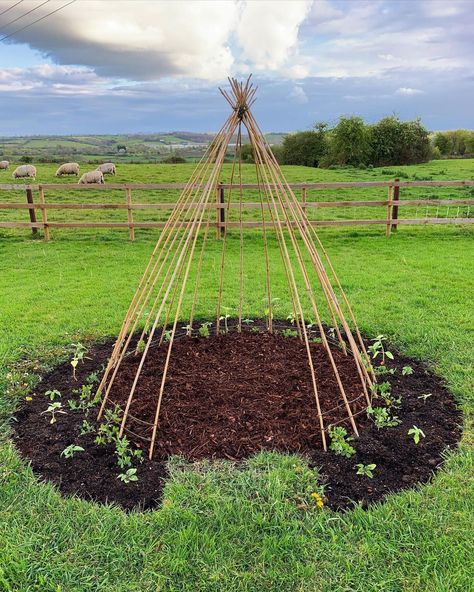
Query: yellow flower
{"x": 318, "y": 500}
{"x": 28, "y": 398}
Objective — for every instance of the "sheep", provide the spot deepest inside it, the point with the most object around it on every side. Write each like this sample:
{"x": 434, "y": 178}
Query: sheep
{"x": 4, "y": 164}
{"x": 24, "y": 170}
{"x": 108, "y": 168}
{"x": 91, "y": 177}
{"x": 68, "y": 168}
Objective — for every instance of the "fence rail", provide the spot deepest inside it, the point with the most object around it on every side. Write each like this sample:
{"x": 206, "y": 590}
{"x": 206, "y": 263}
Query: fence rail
{"x": 391, "y": 221}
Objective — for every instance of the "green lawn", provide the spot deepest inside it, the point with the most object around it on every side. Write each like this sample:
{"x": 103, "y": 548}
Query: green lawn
{"x": 223, "y": 528}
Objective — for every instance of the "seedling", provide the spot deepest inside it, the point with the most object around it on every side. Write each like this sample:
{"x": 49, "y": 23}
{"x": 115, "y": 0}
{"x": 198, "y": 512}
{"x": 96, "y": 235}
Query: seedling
{"x": 378, "y": 348}
{"x": 407, "y": 370}
{"x": 128, "y": 476}
{"x": 86, "y": 428}
{"x": 92, "y": 378}
{"x": 366, "y": 470}
{"x": 274, "y": 303}
{"x": 53, "y": 394}
{"x": 426, "y": 396}
{"x": 291, "y": 318}
{"x": 54, "y": 409}
{"x": 382, "y": 418}
{"x": 71, "y": 450}
{"x": 289, "y": 333}
{"x": 225, "y": 319}
{"x": 189, "y": 330}
{"x": 383, "y": 390}
{"x": 340, "y": 441}
{"x": 79, "y": 352}
{"x": 167, "y": 336}
{"x": 417, "y": 433}
{"x": 124, "y": 452}
{"x": 247, "y": 321}
{"x": 332, "y": 332}
{"x": 204, "y": 329}
{"x": 140, "y": 346}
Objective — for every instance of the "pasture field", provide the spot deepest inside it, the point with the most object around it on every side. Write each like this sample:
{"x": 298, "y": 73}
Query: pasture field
{"x": 239, "y": 528}
{"x": 164, "y": 173}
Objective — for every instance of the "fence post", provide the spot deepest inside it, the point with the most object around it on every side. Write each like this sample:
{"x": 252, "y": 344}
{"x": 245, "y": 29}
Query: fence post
{"x": 44, "y": 215}
{"x": 131, "y": 227}
{"x": 29, "y": 199}
{"x": 220, "y": 210}
{"x": 388, "y": 230}
{"x": 396, "y": 197}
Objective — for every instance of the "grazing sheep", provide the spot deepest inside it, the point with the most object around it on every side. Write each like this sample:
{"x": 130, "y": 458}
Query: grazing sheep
{"x": 91, "y": 177}
{"x": 4, "y": 164}
{"x": 108, "y": 168}
{"x": 25, "y": 170}
{"x": 68, "y": 168}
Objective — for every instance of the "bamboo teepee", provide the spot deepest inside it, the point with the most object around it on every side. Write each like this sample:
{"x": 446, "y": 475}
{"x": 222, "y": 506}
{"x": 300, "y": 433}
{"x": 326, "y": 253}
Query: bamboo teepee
{"x": 157, "y": 306}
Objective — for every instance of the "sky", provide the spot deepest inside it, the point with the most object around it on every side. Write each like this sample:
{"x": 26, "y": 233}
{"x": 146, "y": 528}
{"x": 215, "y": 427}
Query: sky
{"x": 129, "y": 66}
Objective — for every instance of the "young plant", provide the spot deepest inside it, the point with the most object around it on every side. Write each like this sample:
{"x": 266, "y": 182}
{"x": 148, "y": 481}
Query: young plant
{"x": 140, "y": 346}
{"x": 54, "y": 409}
{"x": 291, "y": 318}
{"x": 128, "y": 476}
{"x": 366, "y": 470}
{"x": 71, "y": 450}
{"x": 78, "y": 354}
{"x": 225, "y": 318}
{"x": 383, "y": 390}
{"x": 86, "y": 428}
{"x": 417, "y": 433}
{"x": 407, "y": 370}
{"x": 124, "y": 452}
{"x": 204, "y": 329}
{"x": 378, "y": 348}
{"x": 289, "y": 333}
{"x": 167, "y": 336}
{"x": 425, "y": 396}
{"x": 93, "y": 378}
{"x": 274, "y": 302}
{"x": 382, "y": 417}
{"x": 53, "y": 394}
{"x": 340, "y": 441}
{"x": 247, "y": 321}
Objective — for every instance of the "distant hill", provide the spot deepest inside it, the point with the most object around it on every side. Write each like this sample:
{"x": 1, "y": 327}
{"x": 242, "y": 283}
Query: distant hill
{"x": 146, "y": 147}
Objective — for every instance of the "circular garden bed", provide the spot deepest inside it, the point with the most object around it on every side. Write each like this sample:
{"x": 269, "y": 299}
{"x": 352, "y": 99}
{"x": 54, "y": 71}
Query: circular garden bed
{"x": 231, "y": 396}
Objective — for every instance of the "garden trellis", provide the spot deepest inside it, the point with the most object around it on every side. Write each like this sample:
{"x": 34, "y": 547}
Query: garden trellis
{"x": 173, "y": 275}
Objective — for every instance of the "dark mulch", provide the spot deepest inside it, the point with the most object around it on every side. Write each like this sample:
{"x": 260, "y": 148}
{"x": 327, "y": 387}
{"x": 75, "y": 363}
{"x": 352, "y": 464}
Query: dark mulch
{"x": 229, "y": 397}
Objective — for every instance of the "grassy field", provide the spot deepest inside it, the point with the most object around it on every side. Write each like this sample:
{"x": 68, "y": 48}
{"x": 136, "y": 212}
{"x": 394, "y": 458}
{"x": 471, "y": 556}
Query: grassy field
{"x": 162, "y": 173}
{"x": 221, "y": 527}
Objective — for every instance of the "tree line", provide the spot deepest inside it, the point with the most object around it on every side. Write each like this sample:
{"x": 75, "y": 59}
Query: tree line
{"x": 353, "y": 142}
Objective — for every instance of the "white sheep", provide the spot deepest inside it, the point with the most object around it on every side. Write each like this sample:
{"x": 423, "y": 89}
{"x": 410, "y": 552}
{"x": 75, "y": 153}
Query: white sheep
{"x": 68, "y": 168}
{"x": 91, "y": 177}
{"x": 24, "y": 170}
{"x": 108, "y": 168}
{"x": 4, "y": 164}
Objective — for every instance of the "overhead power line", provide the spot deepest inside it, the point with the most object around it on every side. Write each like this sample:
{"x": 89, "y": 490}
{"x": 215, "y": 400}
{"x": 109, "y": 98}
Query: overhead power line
{"x": 23, "y": 15}
{"x": 13, "y": 6}
{"x": 37, "y": 20}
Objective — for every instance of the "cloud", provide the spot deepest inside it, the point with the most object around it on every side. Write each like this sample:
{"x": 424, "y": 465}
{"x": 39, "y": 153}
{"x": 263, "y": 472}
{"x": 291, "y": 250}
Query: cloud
{"x": 268, "y": 32}
{"x": 407, "y": 91}
{"x": 137, "y": 40}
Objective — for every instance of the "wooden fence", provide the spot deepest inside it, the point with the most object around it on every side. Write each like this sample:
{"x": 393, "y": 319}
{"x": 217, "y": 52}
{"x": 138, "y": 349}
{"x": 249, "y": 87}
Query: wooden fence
{"x": 391, "y": 220}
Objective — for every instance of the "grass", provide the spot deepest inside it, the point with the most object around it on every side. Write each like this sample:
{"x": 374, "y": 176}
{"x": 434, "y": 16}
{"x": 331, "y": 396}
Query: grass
{"x": 255, "y": 527}
{"x": 163, "y": 173}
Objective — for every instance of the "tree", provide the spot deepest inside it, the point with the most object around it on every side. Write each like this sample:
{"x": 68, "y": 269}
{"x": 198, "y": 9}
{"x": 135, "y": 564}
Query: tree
{"x": 394, "y": 142}
{"x": 349, "y": 141}
{"x": 305, "y": 148}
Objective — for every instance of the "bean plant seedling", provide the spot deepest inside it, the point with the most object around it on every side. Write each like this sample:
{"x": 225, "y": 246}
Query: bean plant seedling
{"x": 78, "y": 354}
{"x": 340, "y": 441}
{"x": 425, "y": 396}
{"x": 289, "y": 333}
{"x": 54, "y": 409}
{"x": 53, "y": 394}
{"x": 378, "y": 348}
{"x": 128, "y": 476}
{"x": 407, "y": 370}
{"x": 366, "y": 470}
{"x": 382, "y": 417}
{"x": 71, "y": 450}
{"x": 225, "y": 318}
{"x": 417, "y": 433}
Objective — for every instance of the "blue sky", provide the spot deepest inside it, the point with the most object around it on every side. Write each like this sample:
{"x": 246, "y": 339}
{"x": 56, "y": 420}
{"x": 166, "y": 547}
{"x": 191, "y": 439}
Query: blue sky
{"x": 142, "y": 66}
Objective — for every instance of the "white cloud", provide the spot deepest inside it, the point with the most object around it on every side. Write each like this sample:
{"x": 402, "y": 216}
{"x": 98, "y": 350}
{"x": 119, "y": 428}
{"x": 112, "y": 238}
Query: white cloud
{"x": 298, "y": 95}
{"x": 267, "y": 32}
{"x": 407, "y": 91}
